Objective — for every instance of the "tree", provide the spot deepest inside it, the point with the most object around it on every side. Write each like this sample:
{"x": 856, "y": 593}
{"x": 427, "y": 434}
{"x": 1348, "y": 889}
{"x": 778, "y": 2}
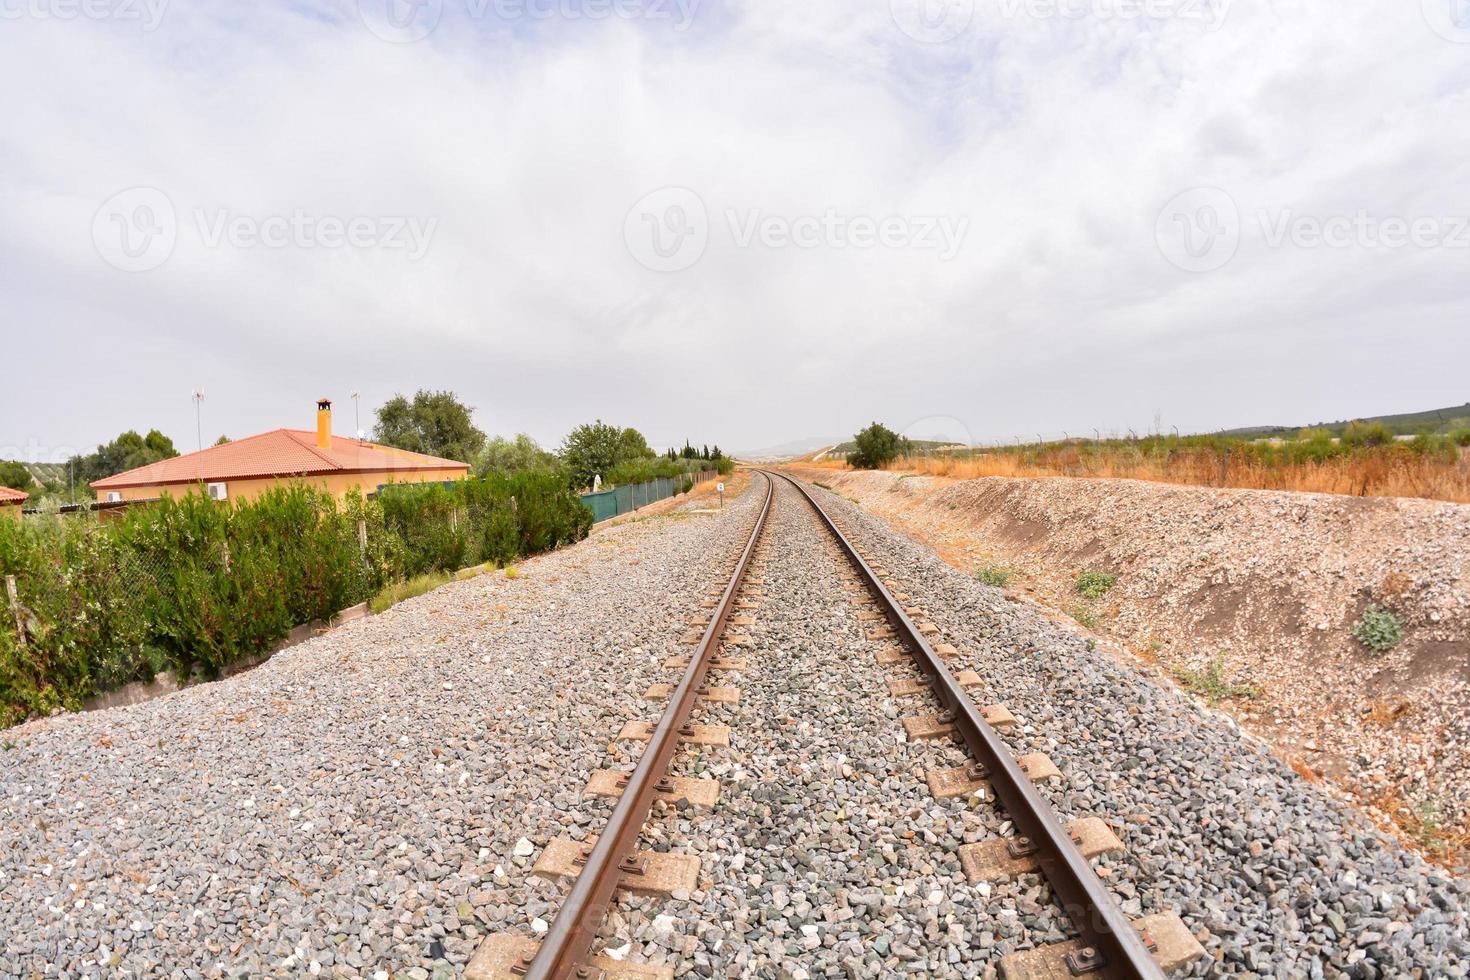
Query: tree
{"x": 435, "y": 422}
{"x": 127, "y": 452}
{"x": 15, "y": 476}
{"x": 590, "y": 451}
{"x": 511, "y": 456}
{"x": 877, "y": 446}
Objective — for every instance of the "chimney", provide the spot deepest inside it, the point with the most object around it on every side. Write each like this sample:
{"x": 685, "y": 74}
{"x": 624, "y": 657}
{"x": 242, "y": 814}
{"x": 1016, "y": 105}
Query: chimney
{"x": 324, "y": 424}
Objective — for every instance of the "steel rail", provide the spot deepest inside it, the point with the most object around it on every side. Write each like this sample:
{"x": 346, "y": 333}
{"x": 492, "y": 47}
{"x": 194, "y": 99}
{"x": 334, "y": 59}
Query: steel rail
{"x": 568, "y": 942}
{"x": 1115, "y": 946}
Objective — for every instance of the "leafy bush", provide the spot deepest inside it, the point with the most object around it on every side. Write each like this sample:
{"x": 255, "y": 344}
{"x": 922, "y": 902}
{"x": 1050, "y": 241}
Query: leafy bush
{"x": 993, "y": 575}
{"x": 193, "y": 585}
{"x": 876, "y": 447}
{"x": 1095, "y": 585}
{"x": 1366, "y": 434}
{"x": 1379, "y": 630}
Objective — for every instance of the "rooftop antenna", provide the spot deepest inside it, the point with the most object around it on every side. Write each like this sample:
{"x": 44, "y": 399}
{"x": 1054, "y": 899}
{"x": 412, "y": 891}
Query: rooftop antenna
{"x": 357, "y": 413}
{"x": 198, "y": 417}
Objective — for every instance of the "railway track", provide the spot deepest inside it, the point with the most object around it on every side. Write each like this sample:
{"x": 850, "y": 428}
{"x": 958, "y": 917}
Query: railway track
{"x": 1107, "y": 943}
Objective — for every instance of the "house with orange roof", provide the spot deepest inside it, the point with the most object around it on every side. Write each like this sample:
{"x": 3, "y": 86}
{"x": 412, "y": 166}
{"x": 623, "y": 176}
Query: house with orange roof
{"x": 11, "y": 502}
{"x": 245, "y": 469}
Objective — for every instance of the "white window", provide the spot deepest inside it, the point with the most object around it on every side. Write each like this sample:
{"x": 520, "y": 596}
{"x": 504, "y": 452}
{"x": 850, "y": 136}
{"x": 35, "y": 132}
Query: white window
{"x": 114, "y": 497}
{"x": 218, "y": 491}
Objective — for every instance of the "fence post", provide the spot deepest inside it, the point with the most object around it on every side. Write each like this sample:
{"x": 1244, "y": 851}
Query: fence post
{"x": 224, "y": 553}
{"x": 362, "y": 537}
{"x": 14, "y": 597}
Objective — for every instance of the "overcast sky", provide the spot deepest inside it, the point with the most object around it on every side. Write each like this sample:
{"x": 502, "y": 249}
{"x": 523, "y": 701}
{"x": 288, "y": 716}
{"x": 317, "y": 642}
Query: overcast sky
{"x": 740, "y": 222}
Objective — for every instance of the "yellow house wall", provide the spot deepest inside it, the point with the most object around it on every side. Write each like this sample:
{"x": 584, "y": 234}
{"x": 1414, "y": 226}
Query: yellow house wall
{"x": 337, "y": 484}
{"x": 10, "y": 510}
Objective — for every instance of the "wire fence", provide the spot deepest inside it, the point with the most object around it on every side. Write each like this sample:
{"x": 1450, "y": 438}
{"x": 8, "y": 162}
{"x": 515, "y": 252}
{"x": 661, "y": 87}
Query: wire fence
{"x": 607, "y": 504}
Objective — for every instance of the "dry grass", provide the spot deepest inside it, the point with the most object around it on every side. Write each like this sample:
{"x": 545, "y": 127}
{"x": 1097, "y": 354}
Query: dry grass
{"x": 1366, "y": 474}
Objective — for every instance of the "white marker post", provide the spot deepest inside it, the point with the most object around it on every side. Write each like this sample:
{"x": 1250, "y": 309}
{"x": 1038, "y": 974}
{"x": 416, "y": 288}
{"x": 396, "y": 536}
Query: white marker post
{"x": 721, "y": 488}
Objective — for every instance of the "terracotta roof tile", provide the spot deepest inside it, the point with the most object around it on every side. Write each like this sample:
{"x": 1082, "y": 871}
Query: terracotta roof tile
{"x": 281, "y": 453}
{"x": 9, "y": 496}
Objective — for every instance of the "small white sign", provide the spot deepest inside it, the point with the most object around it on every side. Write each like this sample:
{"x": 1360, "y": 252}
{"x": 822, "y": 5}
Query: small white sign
{"x": 720, "y": 487}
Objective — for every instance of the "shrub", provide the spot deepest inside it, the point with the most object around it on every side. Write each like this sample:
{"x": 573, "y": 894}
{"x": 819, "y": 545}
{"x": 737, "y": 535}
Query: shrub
{"x": 994, "y": 575}
{"x": 194, "y": 585}
{"x": 1379, "y": 630}
{"x": 1358, "y": 434}
{"x": 876, "y": 447}
{"x": 1095, "y": 585}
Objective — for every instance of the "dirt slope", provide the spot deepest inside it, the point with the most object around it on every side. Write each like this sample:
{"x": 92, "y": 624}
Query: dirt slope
{"x": 1248, "y": 598}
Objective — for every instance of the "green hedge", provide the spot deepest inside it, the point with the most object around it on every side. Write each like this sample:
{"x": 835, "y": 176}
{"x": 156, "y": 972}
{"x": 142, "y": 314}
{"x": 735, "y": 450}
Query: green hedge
{"x": 193, "y": 585}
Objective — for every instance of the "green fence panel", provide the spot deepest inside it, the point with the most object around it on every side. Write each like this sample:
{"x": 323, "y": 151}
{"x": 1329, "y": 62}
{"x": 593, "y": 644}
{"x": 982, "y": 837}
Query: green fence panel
{"x": 608, "y": 504}
{"x": 604, "y": 505}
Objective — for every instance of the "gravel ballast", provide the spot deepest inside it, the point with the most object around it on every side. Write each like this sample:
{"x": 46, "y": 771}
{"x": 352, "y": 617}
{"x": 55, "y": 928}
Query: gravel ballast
{"x": 1280, "y": 879}
{"x": 371, "y": 802}
{"x": 354, "y": 806}
{"x": 1260, "y": 588}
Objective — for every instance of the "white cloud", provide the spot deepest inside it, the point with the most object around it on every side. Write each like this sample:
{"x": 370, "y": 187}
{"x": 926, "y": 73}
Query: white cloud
{"x": 1058, "y": 140}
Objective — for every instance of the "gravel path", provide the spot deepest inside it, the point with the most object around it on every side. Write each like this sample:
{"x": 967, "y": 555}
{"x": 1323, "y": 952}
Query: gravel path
{"x": 370, "y": 803}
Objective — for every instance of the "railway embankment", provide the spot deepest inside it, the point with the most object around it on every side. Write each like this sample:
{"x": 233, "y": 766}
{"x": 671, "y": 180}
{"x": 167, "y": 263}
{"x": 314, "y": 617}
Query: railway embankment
{"x": 1256, "y": 602}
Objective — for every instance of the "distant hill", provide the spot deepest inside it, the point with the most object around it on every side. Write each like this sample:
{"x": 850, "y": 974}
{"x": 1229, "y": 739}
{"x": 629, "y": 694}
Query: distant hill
{"x": 44, "y": 472}
{"x": 1410, "y": 423}
{"x": 786, "y": 450}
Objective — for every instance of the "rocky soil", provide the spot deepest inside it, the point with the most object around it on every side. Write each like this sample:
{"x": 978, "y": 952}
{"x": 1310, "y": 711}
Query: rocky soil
{"x": 371, "y": 803}
{"x": 1248, "y": 598}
